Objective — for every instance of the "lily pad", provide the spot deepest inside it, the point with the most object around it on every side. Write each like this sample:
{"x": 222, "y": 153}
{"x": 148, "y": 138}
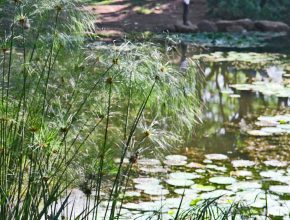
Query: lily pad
{"x": 216, "y": 157}
{"x": 282, "y": 179}
{"x": 179, "y": 182}
{"x": 278, "y": 211}
{"x": 284, "y": 126}
{"x": 272, "y": 173}
{"x": 183, "y": 175}
{"x": 176, "y": 157}
{"x": 275, "y": 163}
{"x": 242, "y": 173}
{"x": 153, "y": 169}
{"x": 245, "y": 185}
{"x": 216, "y": 193}
{"x": 243, "y": 163}
{"x": 190, "y": 192}
{"x": 150, "y": 181}
{"x": 217, "y": 168}
{"x": 175, "y": 162}
{"x": 280, "y": 189}
{"x": 203, "y": 188}
{"x": 223, "y": 180}
{"x": 132, "y": 194}
{"x": 272, "y": 119}
{"x": 148, "y": 162}
{"x": 258, "y": 133}
{"x": 156, "y": 192}
{"x": 148, "y": 186}
{"x": 195, "y": 165}
{"x": 273, "y": 130}
{"x": 266, "y": 123}
{"x": 200, "y": 171}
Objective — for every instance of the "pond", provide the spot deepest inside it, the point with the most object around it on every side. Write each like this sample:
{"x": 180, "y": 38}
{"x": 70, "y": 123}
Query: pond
{"x": 240, "y": 152}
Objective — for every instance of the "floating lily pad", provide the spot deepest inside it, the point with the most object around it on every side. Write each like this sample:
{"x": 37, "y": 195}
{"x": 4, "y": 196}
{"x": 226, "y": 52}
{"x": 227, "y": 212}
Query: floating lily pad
{"x": 216, "y": 193}
{"x": 223, "y": 180}
{"x": 283, "y": 118}
{"x": 142, "y": 206}
{"x": 190, "y": 192}
{"x": 179, "y": 182}
{"x": 183, "y": 175}
{"x": 149, "y": 162}
{"x": 203, "y": 188}
{"x": 273, "y": 130}
{"x": 156, "y": 192}
{"x": 258, "y": 133}
{"x": 245, "y": 185}
{"x": 243, "y": 163}
{"x": 195, "y": 165}
{"x": 216, "y": 157}
{"x": 242, "y": 87}
{"x": 275, "y": 163}
{"x": 200, "y": 171}
{"x": 278, "y": 211}
{"x": 175, "y": 162}
{"x": 153, "y": 169}
{"x": 280, "y": 189}
{"x": 132, "y": 194}
{"x": 242, "y": 173}
{"x": 170, "y": 203}
{"x": 259, "y": 204}
{"x": 249, "y": 196}
{"x": 284, "y": 126}
{"x": 282, "y": 179}
{"x": 272, "y": 173}
{"x": 272, "y": 119}
{"x": 150, "y": 181}
{"x": 217, "y": 168}
{"x": 207, "y": 161}
{"x": 266, "y": 123}
{"x": 176, "y": 157}
{"x": 148, "y": 186}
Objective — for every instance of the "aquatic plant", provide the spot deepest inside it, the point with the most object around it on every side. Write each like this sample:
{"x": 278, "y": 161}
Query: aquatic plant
{"x": 67, "y": 111}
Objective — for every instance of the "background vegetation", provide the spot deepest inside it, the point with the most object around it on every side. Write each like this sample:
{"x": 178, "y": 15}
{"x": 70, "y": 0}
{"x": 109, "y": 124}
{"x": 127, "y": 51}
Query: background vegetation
{"x": 256, "y": 9}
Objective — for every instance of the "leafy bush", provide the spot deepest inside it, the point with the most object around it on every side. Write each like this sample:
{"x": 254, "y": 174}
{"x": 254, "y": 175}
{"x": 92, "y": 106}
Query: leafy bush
{"x": 234, "y": 9}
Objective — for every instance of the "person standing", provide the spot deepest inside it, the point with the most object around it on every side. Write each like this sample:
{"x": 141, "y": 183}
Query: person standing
{"x": 185, "y": 11}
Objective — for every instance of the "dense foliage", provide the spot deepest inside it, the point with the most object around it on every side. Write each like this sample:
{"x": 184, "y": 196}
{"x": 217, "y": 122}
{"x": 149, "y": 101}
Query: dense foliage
{"x": 67, "y": 109}
{"x": 256, "y": 9}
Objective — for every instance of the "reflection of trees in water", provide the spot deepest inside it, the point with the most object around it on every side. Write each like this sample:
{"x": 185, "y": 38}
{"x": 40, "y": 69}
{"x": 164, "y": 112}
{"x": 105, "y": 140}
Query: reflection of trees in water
{"x": 215, "y": 131}
{"x": 220, "y": 75}
{"x": 247, "y": 99}
{"x": 245, "y": 103}
{"x": 282, "y": 102}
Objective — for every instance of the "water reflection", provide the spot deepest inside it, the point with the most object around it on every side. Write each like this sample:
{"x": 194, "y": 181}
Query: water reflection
{"x": 225, "y": 108}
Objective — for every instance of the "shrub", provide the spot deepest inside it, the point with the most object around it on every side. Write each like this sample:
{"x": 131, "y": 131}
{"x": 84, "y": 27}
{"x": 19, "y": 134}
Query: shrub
{"x": 235, "y": 9}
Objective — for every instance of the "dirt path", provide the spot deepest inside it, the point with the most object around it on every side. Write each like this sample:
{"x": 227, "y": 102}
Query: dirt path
{"x": 124, "y": 16}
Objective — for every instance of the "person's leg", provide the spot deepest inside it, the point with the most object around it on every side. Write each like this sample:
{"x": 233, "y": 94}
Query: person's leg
{"x": 185, "y": 11}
